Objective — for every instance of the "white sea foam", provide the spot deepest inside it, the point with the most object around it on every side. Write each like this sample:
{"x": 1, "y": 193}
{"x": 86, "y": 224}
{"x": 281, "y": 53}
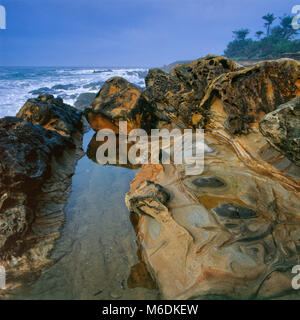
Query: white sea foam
{"x": 17, "y": 84}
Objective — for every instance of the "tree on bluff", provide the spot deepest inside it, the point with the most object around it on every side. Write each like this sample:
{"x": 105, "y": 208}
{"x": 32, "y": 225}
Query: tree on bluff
{"x": 269, "y": 18}
{"x": 278, "y": 40}
{"x": 241, "y": 34}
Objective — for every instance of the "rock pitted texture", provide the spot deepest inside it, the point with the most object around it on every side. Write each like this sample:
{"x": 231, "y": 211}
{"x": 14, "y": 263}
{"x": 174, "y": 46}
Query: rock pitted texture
{"x": 119, "y": 100}
{"x": 168, "y": 100}
{"x": 250, "y": 93}
{"x": 282, "y": 129}
{"x": 52, "y": 113}
{"x": 177, "y": 94}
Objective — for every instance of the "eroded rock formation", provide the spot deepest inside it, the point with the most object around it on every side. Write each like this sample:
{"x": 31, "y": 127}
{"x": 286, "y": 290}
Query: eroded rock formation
{"x": 37, "y": 161}
{"x": 120, "y": 100}
{"x": 52, "y": 114}
{"x": 233, "y": 230}
{"x": 169, "y": 100}
{"x": 282, "y": 129}
{"x": 177, "y": 94}
{"x": 247, "y": 95}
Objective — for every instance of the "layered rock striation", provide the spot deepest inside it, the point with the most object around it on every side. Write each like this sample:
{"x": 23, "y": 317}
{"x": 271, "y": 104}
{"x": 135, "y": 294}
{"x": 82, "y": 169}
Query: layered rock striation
{"x": 233, "y": 230}
{"x": 39, "y": 150}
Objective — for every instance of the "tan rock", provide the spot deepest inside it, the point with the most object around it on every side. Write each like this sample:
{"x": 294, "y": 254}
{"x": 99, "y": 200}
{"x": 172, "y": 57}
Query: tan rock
{"x": 232, "y": 232}
{"x": 52, "y": 114}
{"x": 247, "y": 95}
{"x": 177, "y": 94}
{"x": 119, "y": 100}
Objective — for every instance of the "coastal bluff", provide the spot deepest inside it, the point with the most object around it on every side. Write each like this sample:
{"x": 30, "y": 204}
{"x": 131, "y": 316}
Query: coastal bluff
{"x": 233, "y": 231}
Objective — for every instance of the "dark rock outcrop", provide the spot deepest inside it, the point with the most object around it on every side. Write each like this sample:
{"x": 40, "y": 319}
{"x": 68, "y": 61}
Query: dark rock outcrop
{"x": 52, "y": 113}
{"x": 281, "y": 128}
{"x": 36, "y": 168}
{"x": 119, "y": 100}
{"x": 26, "y": 153}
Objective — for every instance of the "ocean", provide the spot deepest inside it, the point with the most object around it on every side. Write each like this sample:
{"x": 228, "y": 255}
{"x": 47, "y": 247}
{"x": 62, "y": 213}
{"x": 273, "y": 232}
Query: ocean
{"x": 17, "y": 84}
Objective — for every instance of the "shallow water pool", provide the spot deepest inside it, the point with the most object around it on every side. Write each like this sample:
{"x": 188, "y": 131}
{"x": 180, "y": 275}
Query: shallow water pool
{"x": 96, "y": 256}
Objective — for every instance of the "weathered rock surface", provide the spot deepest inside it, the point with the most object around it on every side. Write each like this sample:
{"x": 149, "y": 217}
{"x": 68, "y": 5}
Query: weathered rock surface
{"x": 282, "y": 129}
{"x": 52, "y": 113}
{"x": 36, "y": 168}
{"x": 233, "y": 230}
{"x": 177, "y": 94}
{"x": 119, "y": 100}
{"x": 169, "y": 99}
{"x": 236, "y": 239}
{"x": 25, "y": 164}
{"x": 247, "y": 95}
{"x": 84, "y": 100}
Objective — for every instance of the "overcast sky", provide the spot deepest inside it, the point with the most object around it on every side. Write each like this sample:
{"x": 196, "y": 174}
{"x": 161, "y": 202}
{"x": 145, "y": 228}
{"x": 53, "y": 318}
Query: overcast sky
{"x": 125, "y": 32}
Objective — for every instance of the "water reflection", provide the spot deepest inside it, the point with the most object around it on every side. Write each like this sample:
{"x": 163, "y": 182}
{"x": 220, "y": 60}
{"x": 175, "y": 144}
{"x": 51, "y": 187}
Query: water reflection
{"x": 94, "y": 145}
{"x": 95, "y": 257}
{"x": 139, "y": 274}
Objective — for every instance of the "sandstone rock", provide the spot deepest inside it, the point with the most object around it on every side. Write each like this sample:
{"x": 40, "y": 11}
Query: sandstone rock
{"x": 140, "y": 277}
{"x": 231, "y": 233}
{"x": 247, "y": 95}
{"x": 185, "y": 86}
{"x": 199, "y": 74}
{"x": 282, "y": 129}
{"x": 149, "y": 193}
{"x": 52, "y": 114}
{"x": 120, "y": 100}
